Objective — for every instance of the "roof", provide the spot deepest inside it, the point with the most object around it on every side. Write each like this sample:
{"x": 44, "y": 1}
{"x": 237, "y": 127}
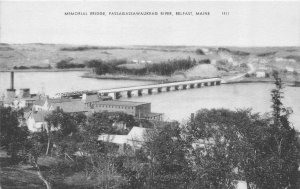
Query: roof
{"x": 138, "y": 134}
{"x": 121, "y": 103}
{"x": 27, "y": 114}
{"x": 39, "y": 116}
{"x": 40, "y": 102}
{"x": 116, "y": 139}
{"x": 71, "y": 106}
{"x": 91, "y": 98}
{"x": 58, "y": 100}
{"x": 153, "y": 114}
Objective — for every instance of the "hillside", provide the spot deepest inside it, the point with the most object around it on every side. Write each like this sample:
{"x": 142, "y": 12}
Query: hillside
{"x": 225, "y": 61}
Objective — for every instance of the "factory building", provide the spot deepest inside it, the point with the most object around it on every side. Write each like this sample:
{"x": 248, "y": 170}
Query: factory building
{"x": 141, "y": 110}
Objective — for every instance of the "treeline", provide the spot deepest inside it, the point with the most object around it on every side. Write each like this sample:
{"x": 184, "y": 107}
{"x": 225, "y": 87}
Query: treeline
{"x": 85, "y": 48}
{"x": 164, "y": 68}
{"x": 31, "y": 67}
{"x": 67, "y": 64}
{"x": 214, "y": 149}
{"x": 234, "y": 52}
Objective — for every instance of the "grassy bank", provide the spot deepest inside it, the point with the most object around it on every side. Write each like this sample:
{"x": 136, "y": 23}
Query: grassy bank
{"x": 47, "y": 70}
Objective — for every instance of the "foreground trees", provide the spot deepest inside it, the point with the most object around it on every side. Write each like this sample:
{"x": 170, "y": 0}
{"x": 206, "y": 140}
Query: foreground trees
{"x": 240, "y": 145}
{"x": 214, "y": 149}
{"x": 13, "y": 134}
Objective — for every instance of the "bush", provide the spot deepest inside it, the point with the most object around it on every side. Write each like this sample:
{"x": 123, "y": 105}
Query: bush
{"x": 200, "y": 52}
{"x": 163, "y": 68}
{"x": 66, "y": 64}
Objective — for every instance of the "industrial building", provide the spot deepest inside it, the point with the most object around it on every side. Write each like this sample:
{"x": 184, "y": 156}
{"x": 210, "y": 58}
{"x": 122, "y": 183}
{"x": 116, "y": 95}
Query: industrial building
{"x": 141, "y": 110}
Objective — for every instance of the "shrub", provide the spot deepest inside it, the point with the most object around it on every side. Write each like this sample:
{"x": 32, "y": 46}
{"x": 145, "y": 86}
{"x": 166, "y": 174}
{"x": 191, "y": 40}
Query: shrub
{"x": 200, "y": 52}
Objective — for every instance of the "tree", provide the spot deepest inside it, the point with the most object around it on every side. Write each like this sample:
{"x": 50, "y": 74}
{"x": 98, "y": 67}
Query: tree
{"x": 35, "y": 148}
{"x": 13, "y": 133}
{"x": 279, "y": 149}
{"x": 240, "y": 145}
{"x": 217, "y": 146}
{"x": 160, "y": 163}
{"x": 62, "y": 128}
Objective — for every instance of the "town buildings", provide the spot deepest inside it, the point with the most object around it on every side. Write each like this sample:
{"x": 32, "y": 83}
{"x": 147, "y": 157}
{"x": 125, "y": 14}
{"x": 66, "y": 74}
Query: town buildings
{"x": 140, "y": 110}
{"x": 37, "y": 107}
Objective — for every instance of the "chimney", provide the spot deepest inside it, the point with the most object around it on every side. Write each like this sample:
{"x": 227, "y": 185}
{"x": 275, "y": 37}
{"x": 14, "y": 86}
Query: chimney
{"x": 11, "y": 92}
{"x": 11, "y": 80}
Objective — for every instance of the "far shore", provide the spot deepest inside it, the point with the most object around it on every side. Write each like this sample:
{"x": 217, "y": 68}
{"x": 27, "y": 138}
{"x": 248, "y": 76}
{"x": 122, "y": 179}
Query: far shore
{"x": 153, "y": 78}
{"x": 46, "y": 70}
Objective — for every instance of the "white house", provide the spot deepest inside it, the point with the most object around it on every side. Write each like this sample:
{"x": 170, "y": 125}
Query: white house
{"x": 289, "y": 69}
{"x": 36, "y": 121}
{"x": 135, "y": 138}
{"x": 260, "y": 74}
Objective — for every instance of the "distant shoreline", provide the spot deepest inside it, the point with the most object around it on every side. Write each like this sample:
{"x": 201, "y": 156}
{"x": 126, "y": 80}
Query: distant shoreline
{"x": 153, "y": 78}
{"x": 128, "y": 77}
{"x": 47, "y": 70}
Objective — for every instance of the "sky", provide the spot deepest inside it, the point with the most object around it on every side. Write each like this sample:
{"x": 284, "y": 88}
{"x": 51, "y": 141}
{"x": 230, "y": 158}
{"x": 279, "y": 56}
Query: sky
{"x": 249, "y": 23}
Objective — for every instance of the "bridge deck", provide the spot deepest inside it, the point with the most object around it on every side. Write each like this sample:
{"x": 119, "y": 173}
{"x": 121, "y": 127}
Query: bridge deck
{"x": 158, "y": 85}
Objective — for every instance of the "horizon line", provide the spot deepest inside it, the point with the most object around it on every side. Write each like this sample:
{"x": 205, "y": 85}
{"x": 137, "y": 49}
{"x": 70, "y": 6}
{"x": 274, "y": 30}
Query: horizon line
{"x": 166, "y": 45}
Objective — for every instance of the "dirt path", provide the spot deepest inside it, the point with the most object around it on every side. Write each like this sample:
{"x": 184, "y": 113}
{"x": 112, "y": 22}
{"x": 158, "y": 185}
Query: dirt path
{"x": 251, "y": 70}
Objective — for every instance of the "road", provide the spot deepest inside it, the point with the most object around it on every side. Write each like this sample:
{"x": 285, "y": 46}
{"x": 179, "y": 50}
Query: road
{"x": 239, "y": 76}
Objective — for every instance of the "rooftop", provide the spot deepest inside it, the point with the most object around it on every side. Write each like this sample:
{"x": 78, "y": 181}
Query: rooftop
{"x": 39, "y": 116}
{"x": 71, "y": 106}
{"x": 138, "y": 134}
{"x": 59, "y": 100}
{"x": 116, "y": 139}
{"x": 121, "y": 103}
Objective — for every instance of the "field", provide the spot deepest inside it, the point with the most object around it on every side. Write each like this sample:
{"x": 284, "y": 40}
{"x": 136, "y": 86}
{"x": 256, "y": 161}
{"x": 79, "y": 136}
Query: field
{"x": 225, "y": 61}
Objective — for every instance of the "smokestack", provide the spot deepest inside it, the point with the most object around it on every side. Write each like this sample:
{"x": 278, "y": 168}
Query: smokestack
{"x": 11, "y": 80}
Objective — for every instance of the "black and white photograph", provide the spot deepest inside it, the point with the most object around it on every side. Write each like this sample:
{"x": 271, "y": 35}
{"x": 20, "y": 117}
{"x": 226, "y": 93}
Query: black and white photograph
{"x": 145, "y": 94}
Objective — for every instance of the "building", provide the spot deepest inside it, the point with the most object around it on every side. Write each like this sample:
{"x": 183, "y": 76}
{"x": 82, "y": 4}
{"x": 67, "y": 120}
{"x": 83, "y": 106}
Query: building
{"x": 74, "y": 106}
{"x": 91, "y": 100}
{"x": 289, "y": 69}
{"x": 260, "y": 74}
{"x": 36, "y": 120}
{"x": 141, "y": 110}
{"x": 135, "y": 139}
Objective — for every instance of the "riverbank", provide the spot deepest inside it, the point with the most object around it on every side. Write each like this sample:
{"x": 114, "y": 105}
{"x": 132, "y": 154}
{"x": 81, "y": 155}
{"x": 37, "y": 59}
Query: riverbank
{"x": 263, "y": 80}
{"x": 47, "y": 70}
{"x": 154, "y": 78}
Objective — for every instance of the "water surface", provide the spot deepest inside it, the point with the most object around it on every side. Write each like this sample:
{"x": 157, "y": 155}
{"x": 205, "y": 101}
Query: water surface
{"x": 175, "y": 105}
{"x": 56, "y": 82}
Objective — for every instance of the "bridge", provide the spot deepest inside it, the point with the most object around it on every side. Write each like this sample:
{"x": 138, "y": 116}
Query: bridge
{"x": 158, "y": 88}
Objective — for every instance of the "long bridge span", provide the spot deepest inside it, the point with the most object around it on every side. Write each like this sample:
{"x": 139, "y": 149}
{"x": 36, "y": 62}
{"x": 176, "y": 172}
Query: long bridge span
{"x": 158, "y": 88}
{"x": 117, "y": 93}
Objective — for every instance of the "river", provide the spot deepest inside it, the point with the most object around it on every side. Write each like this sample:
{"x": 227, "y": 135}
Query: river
{"x": 55, "y": 82}
{"x": 175, "y": 105}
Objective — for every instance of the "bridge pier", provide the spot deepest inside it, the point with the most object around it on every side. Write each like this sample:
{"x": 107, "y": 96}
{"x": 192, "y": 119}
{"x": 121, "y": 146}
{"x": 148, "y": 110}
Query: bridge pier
{"x": 192, "y": 86}
{"x": 205, "y": 84}
{"x": 184, "y": 87}
{"x": 140, "y": 92}
{"x": 198, "y": 85}
{"x": 159, "y": 90}
{"x": 168, "y": 89}
{"x": 118, "y": 95}
{"x": 129, "y": 95}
